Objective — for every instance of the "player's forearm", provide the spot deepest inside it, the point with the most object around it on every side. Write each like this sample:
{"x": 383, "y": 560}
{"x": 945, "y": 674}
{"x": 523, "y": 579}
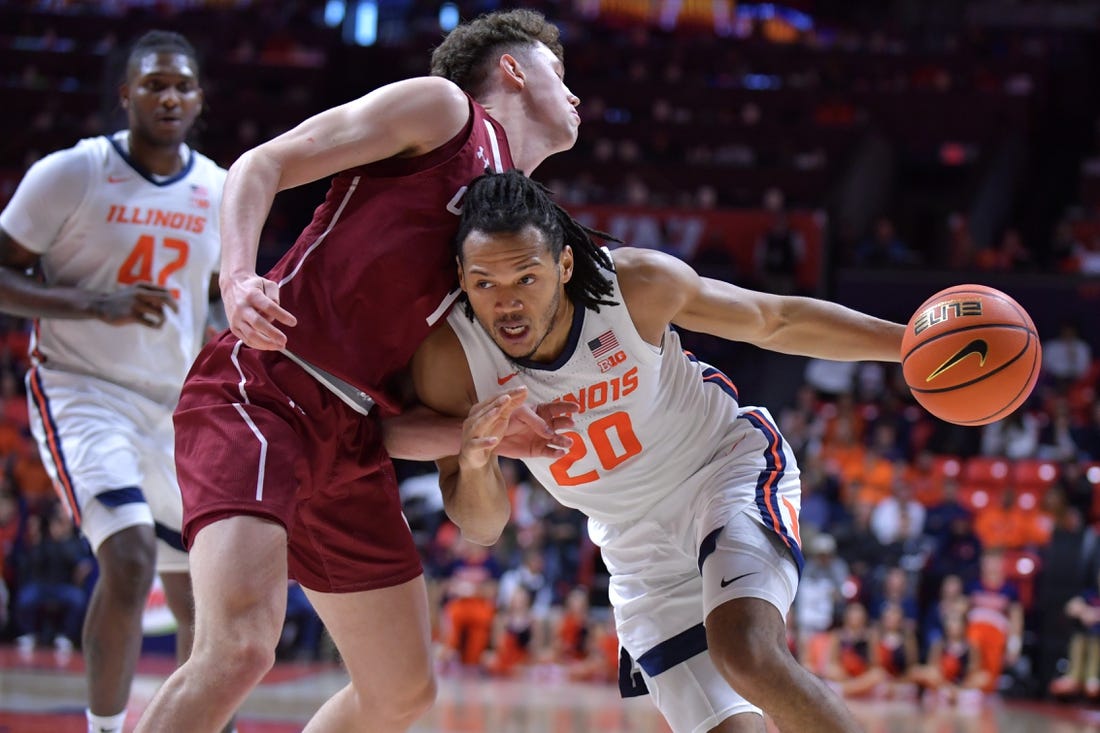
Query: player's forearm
{"x": 476, "y": 500}
{"x": 26, "y": 297}
{"x": 421, "y": 434}
{"x": 818, "y": 328}
{"x": 250, "y": 189}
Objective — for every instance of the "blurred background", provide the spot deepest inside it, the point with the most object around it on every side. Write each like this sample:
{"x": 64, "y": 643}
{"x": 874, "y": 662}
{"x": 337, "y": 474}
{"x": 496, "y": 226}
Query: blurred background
{"x": 867, "y": 151}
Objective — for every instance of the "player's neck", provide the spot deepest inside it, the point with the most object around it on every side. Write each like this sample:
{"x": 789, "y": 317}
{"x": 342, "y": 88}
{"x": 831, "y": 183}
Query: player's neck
{"x": 526, "y": 145}
{"x": 160, "y": 160}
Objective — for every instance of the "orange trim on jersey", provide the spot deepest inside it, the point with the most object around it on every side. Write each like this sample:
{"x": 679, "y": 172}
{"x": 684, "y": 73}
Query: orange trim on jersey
{"x": 53, "y": 443}
{"x": 720, "y": 377}
{"x": 794, "y": 519}
{"x": 773, "y": 477}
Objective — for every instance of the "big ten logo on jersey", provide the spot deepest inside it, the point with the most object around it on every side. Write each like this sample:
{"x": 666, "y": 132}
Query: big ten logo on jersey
{"x": 612, "y": 361}
{"x": 941, "y": 312}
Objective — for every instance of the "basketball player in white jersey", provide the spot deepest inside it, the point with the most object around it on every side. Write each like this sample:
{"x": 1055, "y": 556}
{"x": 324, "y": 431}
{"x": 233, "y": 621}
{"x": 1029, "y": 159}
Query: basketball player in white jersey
{"x": 692, "y": 498}
{"x": 123, "y": 233}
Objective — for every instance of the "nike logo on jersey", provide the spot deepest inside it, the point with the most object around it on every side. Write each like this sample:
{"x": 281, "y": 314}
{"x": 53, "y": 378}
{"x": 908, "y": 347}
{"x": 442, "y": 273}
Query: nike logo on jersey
{"x": 504, "y": 380}
{"x": 117, "y": 179}
{"x": 977, "y": 346}
{"x": 725, "y": 582}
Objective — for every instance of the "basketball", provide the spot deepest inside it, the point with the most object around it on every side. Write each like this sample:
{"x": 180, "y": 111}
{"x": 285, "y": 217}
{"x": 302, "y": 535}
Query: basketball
{"x": 970, "y": 355}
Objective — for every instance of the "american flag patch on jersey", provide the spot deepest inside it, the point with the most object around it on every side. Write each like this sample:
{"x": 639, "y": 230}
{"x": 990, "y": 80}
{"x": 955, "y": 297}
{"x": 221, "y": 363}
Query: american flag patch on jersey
{"x": 603, "y": 344}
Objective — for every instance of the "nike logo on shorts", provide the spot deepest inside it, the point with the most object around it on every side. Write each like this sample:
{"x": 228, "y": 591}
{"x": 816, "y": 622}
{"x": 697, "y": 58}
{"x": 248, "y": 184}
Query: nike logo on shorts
{"x": 725, "y": 582}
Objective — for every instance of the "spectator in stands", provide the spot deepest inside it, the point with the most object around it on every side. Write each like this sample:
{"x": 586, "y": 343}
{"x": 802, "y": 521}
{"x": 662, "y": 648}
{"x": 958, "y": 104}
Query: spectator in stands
{"x": 1075, "y": 485}
{"x": 940, "y": 515}
{"x": 1087, "y": 436}
{"x": 780, "y": 250}
{"x": 830, "y": 379}
{"x": 571, "y": 628}
{"x": 950, "y": 601}
{"x": 897, "y": 650}
{"x": 565, "y": 529}
{"x": 1009, "y": 255}
{"x": 528, "y": 575}
{"x": 1084, "y": 649}
{"x": 52, "y": 567}
{"x": 886, "y": 517}
{"x": 1005, "y": 525}
{"x": 819, "y": 599}
{"x": 470, "y": 604}
{"x": 953, "y": 668}
{"x": 854, "y": 664}
{"x": 1016, "y": 436}
{"x": 518, "y": 637}
{"x": 884, "y": 249}
{"x": 1056, "y": 434}
{"x": 995, "y": 622}
{"x": 1066, "y": 357}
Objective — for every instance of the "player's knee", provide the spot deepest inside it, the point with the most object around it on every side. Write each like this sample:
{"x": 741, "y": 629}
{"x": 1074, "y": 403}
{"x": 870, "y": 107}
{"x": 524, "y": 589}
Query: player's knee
{"x": 409, "y": 703}
{"x": 126, "y": 568}
{"x": 248, "y": 659}
{"x": 749, "y": 658}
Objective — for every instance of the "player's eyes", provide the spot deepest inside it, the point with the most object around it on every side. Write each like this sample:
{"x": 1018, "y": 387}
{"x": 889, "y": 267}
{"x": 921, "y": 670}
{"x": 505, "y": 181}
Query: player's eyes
{"x": 527, "y": 280}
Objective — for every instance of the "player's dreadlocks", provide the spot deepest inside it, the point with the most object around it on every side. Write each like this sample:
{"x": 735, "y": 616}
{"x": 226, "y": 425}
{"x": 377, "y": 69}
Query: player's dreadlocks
{"x": 160, "y": 42}
{"x": 509, "y": 201}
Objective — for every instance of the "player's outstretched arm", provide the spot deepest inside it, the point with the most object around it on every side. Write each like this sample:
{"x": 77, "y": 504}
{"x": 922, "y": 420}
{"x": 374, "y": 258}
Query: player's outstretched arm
{"x": 660, "y": 289}
{"x": 406, "y": 118}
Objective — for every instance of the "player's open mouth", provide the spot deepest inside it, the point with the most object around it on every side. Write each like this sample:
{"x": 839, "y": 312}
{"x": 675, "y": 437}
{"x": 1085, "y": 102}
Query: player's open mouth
{"x": 513, "y": 332}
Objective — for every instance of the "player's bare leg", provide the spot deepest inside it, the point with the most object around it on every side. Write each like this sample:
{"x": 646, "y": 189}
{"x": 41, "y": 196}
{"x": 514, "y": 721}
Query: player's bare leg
{"x": 748, "y": 642}
{"x": 112, "y": 626}
{"x": 238, "y": 571}
{"x": 384, "y": 638}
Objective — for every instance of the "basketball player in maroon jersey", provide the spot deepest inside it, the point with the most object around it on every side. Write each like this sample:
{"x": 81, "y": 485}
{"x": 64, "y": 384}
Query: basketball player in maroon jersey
{"x": 281, "y": 452}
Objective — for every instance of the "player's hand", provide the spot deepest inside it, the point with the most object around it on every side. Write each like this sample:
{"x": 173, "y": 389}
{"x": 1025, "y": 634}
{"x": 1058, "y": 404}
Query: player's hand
{"x": 535, "y": 433}
{"x": 486, "y": 426}
{"x": 142, "y": 303}
{"x": 252, "y": 309}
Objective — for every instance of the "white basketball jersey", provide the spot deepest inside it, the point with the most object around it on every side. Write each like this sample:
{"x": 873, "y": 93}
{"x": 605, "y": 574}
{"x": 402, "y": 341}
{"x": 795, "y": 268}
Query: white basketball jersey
{"x": 127, "y": 228}
{"x": 650, "y": 420}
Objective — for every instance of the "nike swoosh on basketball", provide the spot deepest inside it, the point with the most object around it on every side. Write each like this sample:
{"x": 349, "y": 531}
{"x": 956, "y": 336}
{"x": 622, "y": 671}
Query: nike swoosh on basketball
{"x": 977, "y": 346}
{"x": 117, "y": 179}
{"x": 725, "y": 582}
{"x": 504, "y": 380}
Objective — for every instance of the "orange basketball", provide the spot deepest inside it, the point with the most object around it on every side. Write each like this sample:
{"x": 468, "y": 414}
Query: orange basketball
{"x": 970, "y": 355}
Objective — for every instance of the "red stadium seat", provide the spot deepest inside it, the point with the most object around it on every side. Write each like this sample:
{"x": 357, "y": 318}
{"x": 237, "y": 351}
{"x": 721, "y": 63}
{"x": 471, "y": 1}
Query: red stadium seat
{"x": 1031, "y": 473}
{"x": 947, "y": 466}
{"x": 986, "y": 472}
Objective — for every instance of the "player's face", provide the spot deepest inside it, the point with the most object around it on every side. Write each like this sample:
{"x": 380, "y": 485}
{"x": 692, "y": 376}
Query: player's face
{"x": 162, "y": 98}
{"x": 551, "y": 104}
{"x": 517, "y": 291}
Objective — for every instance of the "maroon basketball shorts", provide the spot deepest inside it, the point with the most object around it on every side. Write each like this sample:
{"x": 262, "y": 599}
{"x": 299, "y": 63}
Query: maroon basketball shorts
{"x": 256, "y": 435}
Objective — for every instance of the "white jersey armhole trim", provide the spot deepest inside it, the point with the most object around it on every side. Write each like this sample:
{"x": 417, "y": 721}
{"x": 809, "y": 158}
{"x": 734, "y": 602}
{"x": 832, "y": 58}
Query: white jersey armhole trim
{"x": 321, "y": 238}
{"x": 497, "y": 163}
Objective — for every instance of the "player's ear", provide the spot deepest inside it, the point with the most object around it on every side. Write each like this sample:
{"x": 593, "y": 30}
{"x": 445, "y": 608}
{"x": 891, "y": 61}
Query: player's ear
{"x": 511, "y": 71}
{"x": 566, "y": 263}
{"x": 124, "y": 95}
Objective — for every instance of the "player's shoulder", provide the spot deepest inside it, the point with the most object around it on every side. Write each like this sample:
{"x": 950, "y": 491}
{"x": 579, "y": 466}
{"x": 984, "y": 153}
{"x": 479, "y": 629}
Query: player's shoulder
{"x": 76, "y": 161}
{"x": 640, "y": 267}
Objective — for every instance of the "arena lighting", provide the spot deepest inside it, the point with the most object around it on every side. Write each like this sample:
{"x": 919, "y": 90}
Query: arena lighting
{"x": 1025, "y": 566}
{"x": 365, "y": 32}
{"x": 335, "y": 10}
{"x": 448, "y": 17}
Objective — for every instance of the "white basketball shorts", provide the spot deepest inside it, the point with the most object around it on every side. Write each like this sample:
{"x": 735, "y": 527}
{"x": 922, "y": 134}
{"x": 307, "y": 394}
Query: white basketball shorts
{"x": 110, "y": 453}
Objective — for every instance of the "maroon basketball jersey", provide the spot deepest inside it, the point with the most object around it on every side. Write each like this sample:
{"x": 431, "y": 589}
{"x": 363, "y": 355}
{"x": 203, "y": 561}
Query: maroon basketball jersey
{"x": 375, "y": 269}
